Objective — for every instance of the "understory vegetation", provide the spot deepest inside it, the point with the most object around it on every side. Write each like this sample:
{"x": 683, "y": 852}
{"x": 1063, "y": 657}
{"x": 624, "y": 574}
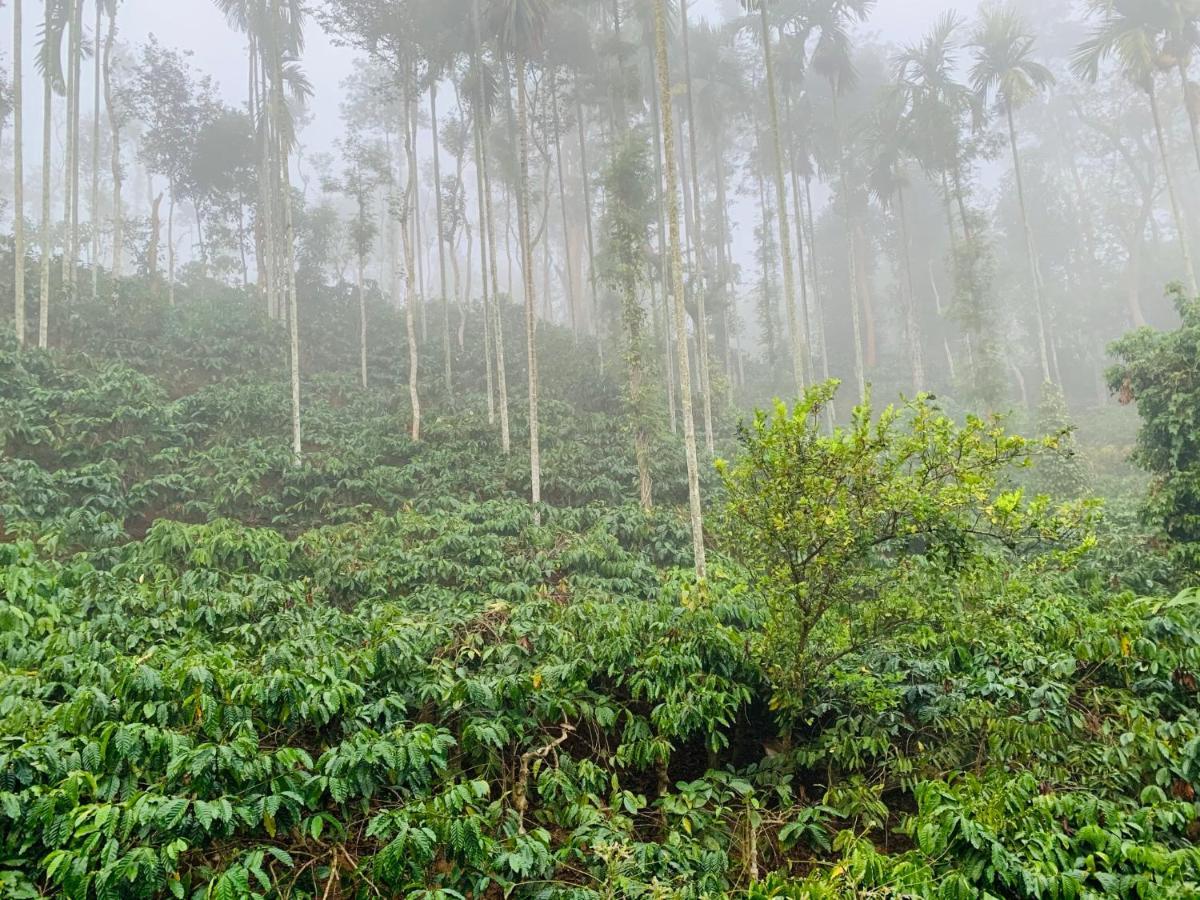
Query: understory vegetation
{"x": 383, "y": 672}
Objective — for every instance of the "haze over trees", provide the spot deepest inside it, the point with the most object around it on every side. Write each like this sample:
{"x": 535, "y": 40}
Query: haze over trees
{"x": 388, "y": 506}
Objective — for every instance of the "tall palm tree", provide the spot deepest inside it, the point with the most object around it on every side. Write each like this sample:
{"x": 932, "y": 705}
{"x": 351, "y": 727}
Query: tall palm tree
{"x": 888, "y": 142}
{"x": 519, "y": 26}
{"x": 936, "y": 104}
{"x": 681, "y": 342}
{"x": 832, "y": 58}
{"x": 1125, "y": 34}
{"x": 798, "y": 336}
{"x": 276, "y": 31}
{"x": 18, "y": 183}
{"x": 1179, "y": 24}
{"x": 1005, "y": 71}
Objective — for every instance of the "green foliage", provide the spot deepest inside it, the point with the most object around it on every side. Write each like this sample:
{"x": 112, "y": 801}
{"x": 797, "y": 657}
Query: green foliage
{"x": 1160, "y": 372}
{"x": 377, "y": 674}
{"x": 853, "y": 538}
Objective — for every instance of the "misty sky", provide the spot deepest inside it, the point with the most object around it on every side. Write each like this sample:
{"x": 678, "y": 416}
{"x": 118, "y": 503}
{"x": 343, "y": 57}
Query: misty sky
{"x": 196, "y": 25}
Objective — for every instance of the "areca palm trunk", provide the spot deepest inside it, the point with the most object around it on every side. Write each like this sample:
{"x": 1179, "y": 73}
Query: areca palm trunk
{"x": 535, "y": 450}
{"x": 1038, "y": 297}
{"x": 47, "y": 187}
{"x": 18, "y": 183}
{"x": 441, "y": 245}
{"x": 785, "y": 240}
{"x": 562, "y": 200}
{"x": 289, "y": 230}
{"x": 663, "y": 268}
{"x": 487, "y": 237}
{"x": 488, "y": 350}
{"x": 362, "y": 293}
{"x": 1193, "y": 119}
{"x": 915, "y": 355}
{"x": 587, "y": 211}
{"x": 851, "y": 252}
{"x": 76, "y": 63}
{"x": 408, "y": 237}
{"x": 672, "y": 196}
{"x": 114, "y": 124}
{"x": 697, "y": 241}
{"x": 95, "y": 204}
{"x": 1168, "y": 175}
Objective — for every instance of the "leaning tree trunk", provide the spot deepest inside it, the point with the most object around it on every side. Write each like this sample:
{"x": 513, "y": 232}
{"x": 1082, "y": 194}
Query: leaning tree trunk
{"x": 18, "y": 183}
{"x": 1176, "y": 209}
{"x": 685, "y": 375}
{"x": 1039, "y": 300}
{"x": 535, "y": 450}
{"x": 799, "y": 339}
{"x": 1193, "y": 119}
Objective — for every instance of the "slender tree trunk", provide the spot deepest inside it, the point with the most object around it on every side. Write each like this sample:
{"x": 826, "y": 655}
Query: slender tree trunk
{"x": 484, "y": 250}
{"x": 799, "y": 339}
{"x": 1193, "y": 120}
{"x": 95, "y": 204}
{"x": 152, "y": 244}
{"x": 497, "y": 311}
{"x": 698, "y": 243}
{"x": 818, "y": 306}
{"x": 47, "y": 188}
{"x": 562, "y": 201}
{"x": 418, "y": 236}
{"x": 685, "y": 377}
{"x": 76, "y": 149}
{"x": 802, "y": 266}
{"x": 860, "y": 376}
{"x": 1039, "y": 300}
{"x": 171, "y": 248}
{"x": 362, "y": 293}
{"x": 535, "y": 450}
{"x": 587, "y": 211}
{"x": 114, "y": 125}
{"x": 915, "y": 357}
{"x": 1176, "y": 210}
{"x": 409, "y": 232}
{"x": 441, "y": 244}
{"x": 18, "y": 182}
{"x": 289, "y": 238}
{"x": 663, "y": 253}
{"x": 68, "y": 261}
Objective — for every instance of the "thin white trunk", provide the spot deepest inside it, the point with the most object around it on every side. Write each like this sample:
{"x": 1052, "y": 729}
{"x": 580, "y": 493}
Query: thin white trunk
{"x": 535, "y": 450}
{"x": 685, "y": 377}
{"x": 18, "y": 183}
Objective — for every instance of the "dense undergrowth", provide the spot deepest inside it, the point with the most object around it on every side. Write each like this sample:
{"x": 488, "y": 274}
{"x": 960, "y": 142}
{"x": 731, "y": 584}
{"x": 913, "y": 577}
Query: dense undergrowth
{"x": 380, "y": 674}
